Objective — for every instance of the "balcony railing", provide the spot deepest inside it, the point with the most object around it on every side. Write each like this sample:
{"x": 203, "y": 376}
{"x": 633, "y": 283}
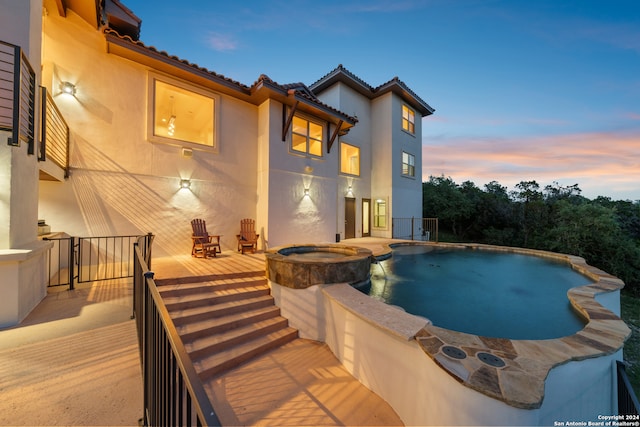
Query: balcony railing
{"x": 55, "y": 134}
{"x": 17, "y": 96}
{"x": 19, "y": 107}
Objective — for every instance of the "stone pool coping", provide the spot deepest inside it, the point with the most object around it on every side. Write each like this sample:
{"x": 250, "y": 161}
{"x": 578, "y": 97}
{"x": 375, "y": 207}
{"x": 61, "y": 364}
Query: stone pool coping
{"x": 525, "y": 364}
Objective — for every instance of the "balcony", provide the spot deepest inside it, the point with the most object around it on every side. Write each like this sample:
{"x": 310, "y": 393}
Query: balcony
{"x": 30, "y": 116}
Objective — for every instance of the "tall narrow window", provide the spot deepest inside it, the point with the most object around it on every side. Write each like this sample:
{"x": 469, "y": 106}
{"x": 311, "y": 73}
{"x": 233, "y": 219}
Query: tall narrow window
{"x": 408, "y": 119}
{"x": 180, "y": 113}
{"x": 306, "y": 136}
{"x": 349, "y": 159}
{"x": 408, "y": 164}
{"x": 380, "y": 214}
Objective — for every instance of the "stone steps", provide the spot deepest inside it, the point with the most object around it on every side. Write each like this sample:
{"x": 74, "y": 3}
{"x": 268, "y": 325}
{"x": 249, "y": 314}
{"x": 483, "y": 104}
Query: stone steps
{"x": 225, "y": 323}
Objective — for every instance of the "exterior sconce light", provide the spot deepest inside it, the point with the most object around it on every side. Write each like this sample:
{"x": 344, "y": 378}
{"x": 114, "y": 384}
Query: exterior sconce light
{"x": 185, "y": 183}
{"x": 349, "y": 191}
{"x": 306, "y": 192}
{"x": 68, "y": 88}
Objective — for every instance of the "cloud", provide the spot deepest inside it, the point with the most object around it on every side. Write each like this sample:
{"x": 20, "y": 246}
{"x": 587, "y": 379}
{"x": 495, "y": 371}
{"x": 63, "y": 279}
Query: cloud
{"x": 221, "y": 42}
{"x": 600, "y": 163}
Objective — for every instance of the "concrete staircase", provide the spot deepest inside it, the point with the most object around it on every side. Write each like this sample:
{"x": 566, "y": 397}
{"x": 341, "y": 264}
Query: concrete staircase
{"x": 225, "y": 322}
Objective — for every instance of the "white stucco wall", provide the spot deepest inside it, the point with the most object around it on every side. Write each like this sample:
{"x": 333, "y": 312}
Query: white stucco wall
{"x": 382, "y": 159}
{"x": 121, "y": 183}
{"x": 23, "y": 278}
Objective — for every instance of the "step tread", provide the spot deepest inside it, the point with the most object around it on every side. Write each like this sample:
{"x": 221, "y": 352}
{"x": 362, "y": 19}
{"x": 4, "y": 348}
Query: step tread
{"x": 217, "y": 324}
{"x": 171, "y": 290}
{"x": 190, "y": 314}
{"x": 235, "y": 336}
{"x": 214, "y": 298}
{"x": 213, "y": 364}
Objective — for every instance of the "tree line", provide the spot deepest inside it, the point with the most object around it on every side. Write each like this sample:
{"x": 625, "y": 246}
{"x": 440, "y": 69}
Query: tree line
{"x": 606, "y": 233}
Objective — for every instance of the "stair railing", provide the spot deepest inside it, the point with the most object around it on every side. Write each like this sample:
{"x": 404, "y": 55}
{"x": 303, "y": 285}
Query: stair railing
{"x": 173, "y": 392}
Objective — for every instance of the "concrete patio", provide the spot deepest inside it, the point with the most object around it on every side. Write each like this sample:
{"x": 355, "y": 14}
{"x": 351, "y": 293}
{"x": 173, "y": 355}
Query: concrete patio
{"x": 74, "y": 361}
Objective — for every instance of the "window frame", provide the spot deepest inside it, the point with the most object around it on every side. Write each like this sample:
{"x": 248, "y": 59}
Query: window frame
{"x": 309, "y": 119}
{"x": 342, "y": 172}
{"x": 410, "y": 120}
{"x": 198, "y": 90}
{"x": 411, "y": 168}
{"x": 377, "y": 216}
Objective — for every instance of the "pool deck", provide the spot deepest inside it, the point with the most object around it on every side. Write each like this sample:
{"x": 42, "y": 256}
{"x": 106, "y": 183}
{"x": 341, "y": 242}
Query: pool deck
{"x": 74, "y": 361}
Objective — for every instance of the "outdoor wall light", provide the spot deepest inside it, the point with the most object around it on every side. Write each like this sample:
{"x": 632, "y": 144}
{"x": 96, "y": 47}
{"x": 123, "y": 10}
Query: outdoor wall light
{"x": 349, "y": 191}
{"x": 306, "y": 192}
{"x": 185, "y": 183}
{"x": 68, "y": 88}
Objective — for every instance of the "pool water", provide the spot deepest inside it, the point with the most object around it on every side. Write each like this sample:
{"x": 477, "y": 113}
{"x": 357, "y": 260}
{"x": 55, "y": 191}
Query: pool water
{"x": 492, "y": 294}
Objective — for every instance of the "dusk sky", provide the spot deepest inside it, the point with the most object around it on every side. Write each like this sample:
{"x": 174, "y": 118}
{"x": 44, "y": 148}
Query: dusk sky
{"x": 545, "y": 90}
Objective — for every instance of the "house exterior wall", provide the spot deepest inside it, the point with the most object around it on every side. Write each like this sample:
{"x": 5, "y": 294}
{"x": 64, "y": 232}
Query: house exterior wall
{"x": 383, "y": 159}
{"x": 407, "y": 191}
{"x": 23, "y": 258}
{"x": 293, "y": 217}
{"x": 121, "y": 183}
{"x": 346, "y": 99}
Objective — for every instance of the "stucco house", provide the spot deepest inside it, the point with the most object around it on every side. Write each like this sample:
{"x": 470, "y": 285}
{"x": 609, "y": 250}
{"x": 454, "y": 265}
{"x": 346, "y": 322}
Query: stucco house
{"x": 145, "y": 131}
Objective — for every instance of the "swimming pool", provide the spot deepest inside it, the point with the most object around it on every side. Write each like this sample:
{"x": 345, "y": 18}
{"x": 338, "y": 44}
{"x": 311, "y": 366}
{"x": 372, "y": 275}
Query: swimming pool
{"x": 480, "y": 292}
{"x": 433, "y": 375}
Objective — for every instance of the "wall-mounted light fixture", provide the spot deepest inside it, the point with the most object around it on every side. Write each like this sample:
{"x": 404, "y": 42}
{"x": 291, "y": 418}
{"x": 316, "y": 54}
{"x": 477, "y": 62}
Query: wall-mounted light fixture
{"x": 349, "y": 191}
{"x": 306, "y": 192}
{"x": 68, "y": 88}
{"x": 185, "y": 183}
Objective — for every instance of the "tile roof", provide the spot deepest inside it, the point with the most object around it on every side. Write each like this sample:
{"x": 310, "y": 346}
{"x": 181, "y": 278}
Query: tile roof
{"x": 340, "y": 73}
{"x": 297, "y": 90}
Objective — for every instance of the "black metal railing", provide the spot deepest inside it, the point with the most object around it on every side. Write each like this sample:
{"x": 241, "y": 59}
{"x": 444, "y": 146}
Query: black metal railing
{"x": 54, "y": 143}
{"x": 89, "y": 259}
{"x": 173, "y": 393}
{"x": 425, "y": 229}
{"x": 627, "y": 399}
{"x": 17, "y": 96}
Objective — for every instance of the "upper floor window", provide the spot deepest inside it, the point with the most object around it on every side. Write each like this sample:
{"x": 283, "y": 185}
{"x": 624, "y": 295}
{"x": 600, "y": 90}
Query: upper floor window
{"x": 349, "y": 159}
{"x": 306, "y": 136}
{"x": 408, "y": 164}
{"x": 181, "y": 113}
{"x": 408, "y": 119}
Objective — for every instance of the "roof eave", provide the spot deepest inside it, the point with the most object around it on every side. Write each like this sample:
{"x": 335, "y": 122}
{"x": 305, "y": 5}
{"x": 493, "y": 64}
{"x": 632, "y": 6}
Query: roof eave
{"x": 161, "y": 61}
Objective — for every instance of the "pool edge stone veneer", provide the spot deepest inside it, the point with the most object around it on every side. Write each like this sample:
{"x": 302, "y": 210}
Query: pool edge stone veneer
{"x": 520, "y": 380}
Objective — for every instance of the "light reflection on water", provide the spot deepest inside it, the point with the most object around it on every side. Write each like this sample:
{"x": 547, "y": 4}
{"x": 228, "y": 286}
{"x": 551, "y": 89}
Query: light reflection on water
{"x": 485, "y": 293}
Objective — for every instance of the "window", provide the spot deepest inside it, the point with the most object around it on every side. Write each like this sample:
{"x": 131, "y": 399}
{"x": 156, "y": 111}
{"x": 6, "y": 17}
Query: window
{"x": 380, "y": 214}
{"x": 349, "y": 159}
{"x": 408, "y": 164}
{"x": 408, "y": 119}
{"x": 306, "y": 136}
{"x": 180, "y": 113}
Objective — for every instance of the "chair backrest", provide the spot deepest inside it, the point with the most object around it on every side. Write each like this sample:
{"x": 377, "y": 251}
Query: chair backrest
{"x": 199, "y": 227}
{"x": 248, "y": 229}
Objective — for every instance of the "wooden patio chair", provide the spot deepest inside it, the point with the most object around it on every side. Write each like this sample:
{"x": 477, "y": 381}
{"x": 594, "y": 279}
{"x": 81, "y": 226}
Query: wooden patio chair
{"x": 247, "y": 239}
{"x": 203, "y": 243}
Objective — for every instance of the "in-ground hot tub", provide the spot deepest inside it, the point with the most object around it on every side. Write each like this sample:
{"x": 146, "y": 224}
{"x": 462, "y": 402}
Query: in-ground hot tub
{"x": 301, "y": 266}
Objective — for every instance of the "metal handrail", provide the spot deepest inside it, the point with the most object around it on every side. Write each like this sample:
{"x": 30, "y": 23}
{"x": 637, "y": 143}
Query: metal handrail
{"x": 425, "y": 229}
{"x": 627, "y": 399}
{"x": 55, "y": 134}
{"x": 173, "y": 392}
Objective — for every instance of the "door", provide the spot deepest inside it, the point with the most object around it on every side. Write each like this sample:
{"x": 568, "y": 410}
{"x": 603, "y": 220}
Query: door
{"x": 366, "y": 217}
{"x": 349, "y": 217}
